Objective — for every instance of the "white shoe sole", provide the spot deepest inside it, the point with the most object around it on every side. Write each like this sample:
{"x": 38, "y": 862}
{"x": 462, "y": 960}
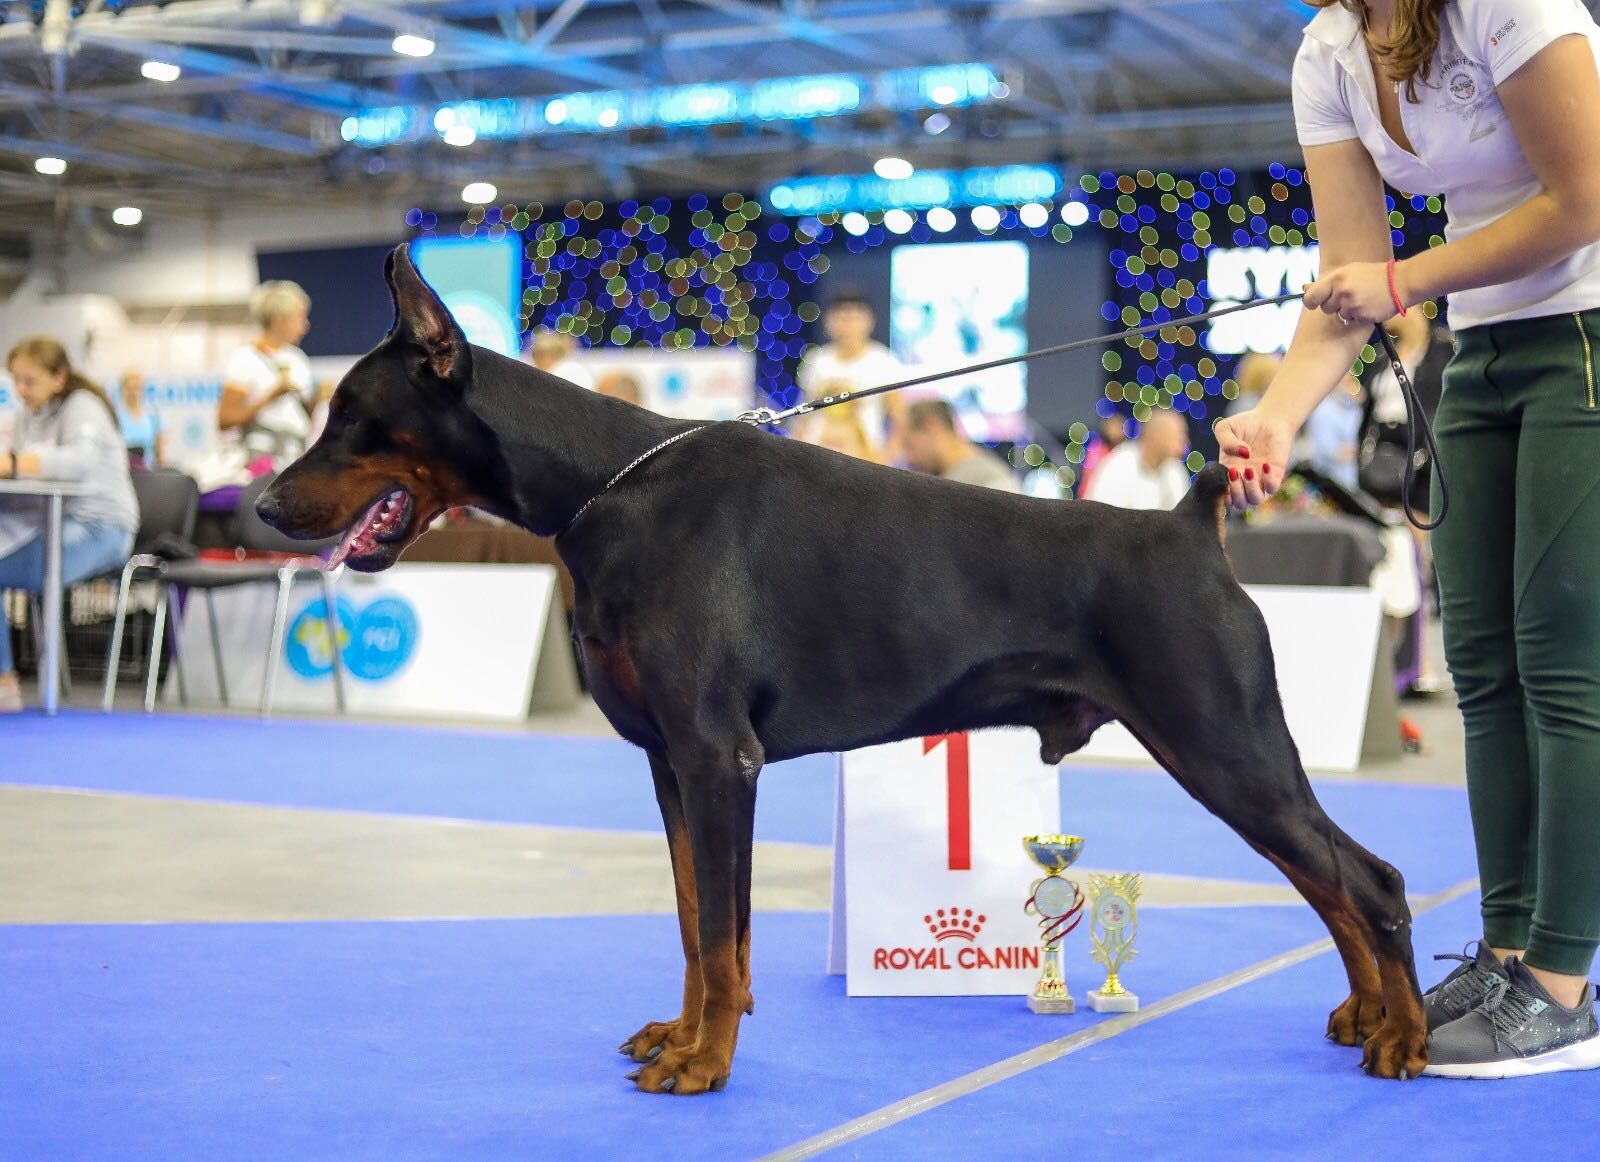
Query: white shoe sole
{"x": 1583, "y": 1054}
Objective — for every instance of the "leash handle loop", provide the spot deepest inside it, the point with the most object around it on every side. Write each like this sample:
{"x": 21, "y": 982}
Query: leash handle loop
{"x": 1416, "y": 423}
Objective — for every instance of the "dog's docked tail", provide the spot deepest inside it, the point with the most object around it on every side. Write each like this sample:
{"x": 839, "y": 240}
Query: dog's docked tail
{"x": 1207, "y": 498}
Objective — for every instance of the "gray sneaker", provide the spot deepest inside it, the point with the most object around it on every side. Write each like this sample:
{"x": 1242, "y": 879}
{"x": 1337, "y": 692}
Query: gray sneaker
{"x": 1466, "y": 986}
{"x": 1519, "y": 1030}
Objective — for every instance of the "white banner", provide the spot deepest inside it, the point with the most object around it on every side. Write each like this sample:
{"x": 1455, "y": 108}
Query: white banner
{"x": 456, "y": 640}
{"x": 930, "y": 875}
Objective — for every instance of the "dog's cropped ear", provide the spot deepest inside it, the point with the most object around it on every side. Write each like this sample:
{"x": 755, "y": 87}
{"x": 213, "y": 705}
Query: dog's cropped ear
{"x": 422, "y": 322}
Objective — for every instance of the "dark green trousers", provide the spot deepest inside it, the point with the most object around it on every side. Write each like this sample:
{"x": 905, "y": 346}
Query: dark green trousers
{"x": 1518, "y": 559}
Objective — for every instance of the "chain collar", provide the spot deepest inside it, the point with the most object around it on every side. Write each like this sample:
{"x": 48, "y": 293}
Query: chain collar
{"x": 667, "y": 443}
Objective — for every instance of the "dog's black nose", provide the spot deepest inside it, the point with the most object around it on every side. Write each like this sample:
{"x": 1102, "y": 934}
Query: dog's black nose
{"x": 268, "y": 508}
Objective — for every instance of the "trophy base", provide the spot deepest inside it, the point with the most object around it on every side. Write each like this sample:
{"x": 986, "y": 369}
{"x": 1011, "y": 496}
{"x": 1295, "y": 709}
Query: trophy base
{"x": 1123, "y": 1002}
{"x": 1052, "y": 1006}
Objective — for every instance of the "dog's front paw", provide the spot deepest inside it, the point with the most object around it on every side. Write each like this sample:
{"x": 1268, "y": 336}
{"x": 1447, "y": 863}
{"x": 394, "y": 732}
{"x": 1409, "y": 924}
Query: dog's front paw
{"x": 1356, "y": 1019}
{"x": 657, "y": 1037}
{"x": 696, "y": 1069}
{"x": 1397, "y": 1050}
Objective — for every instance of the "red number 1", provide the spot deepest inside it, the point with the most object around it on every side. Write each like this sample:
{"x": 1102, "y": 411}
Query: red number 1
{"x": 958, "y": 795}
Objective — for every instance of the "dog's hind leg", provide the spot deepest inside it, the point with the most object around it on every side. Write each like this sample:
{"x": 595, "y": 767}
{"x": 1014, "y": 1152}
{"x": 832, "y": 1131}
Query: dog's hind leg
{"x": 1222, "y": 734}
{"x": 1359, "y": 1015}
{"x": 1263, "y": 794}
{"x": 649, "y": 1042}
{"x": 717, "y": 785}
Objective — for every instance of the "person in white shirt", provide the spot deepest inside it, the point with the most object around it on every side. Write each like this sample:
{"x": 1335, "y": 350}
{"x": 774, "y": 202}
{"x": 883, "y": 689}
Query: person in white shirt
{"x": 1495, "y": 104}
{"x": 1146, "y": 472}
{"x": 850, "y": 361}
{"x": 551, "y": 351}
{"x": 267, "y": 385}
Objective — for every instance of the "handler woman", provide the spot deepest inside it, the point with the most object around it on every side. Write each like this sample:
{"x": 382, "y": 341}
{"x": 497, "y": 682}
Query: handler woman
{"x": 1496, "y": 105}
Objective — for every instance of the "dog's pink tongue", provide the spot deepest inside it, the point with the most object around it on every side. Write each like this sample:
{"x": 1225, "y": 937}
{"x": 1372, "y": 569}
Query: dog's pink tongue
{"x": 353, "y": 534}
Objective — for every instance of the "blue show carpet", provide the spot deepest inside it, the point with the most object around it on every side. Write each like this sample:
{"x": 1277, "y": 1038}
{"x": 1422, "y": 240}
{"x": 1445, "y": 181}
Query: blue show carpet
{"x": 1130, "y": 817}
{"x": 497, "y": 1039}
{"x": 1239, "y": 1076}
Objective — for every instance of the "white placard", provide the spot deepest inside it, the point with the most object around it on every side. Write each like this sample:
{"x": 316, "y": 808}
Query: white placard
{"x": 423, "y": 639}
{"x": 1324, "y": 646}
{"x": 929, "y": 837}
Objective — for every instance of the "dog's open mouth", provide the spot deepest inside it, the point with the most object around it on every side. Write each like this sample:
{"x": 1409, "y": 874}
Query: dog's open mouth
{"x": 379, "y": 532}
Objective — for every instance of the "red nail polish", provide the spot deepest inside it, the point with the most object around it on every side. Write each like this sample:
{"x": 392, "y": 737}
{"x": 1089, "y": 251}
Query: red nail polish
{"x": 1244, "y": 453}
{"x": 1265, "y": 468}
{"x": 1233, "y": 474}
{"x": 1249, "y": 474}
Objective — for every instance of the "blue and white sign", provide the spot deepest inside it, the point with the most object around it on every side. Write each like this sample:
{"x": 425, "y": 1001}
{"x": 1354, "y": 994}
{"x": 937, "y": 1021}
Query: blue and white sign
{"x": 446, "y": 640}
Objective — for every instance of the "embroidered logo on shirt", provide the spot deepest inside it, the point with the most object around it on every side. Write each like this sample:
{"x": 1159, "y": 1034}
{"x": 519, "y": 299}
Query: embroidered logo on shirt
{"x": 1462, "y": 87}
{"x": 1503, "y": 31}
{"x": 1468, "y": 92}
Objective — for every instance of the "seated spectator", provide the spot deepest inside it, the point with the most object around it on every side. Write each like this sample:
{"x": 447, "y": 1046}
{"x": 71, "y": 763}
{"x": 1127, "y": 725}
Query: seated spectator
{"x": 934, "y": 444}
{"x": 1108, "y": 435}
{"x": 141, "y": 426}
{"x": 621, "y": 385}
{"x": 840, "y": 430}
{"x": 67, "y": 430}
{"x": 1148, "y": 471}
{"x": 552, "y": 352}
{"x": 267, "y": 384}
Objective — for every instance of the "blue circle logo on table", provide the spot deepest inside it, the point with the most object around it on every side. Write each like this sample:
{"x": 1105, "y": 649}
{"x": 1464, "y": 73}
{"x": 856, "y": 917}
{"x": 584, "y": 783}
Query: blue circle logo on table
{"x": 374, "y": 642}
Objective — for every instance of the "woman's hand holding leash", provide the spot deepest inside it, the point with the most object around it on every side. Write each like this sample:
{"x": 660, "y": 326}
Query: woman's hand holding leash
{"x": 1254, "y": 447}
{"x": 1361, "y": 293}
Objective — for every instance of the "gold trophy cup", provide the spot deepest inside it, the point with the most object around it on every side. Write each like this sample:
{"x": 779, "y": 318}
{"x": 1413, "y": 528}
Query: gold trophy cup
{"x": 1058, "y": 903}
{"x": 1113, "y": 923}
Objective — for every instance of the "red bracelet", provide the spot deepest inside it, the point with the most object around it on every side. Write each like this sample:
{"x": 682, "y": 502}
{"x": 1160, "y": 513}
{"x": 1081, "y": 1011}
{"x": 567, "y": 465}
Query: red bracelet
{"x": 1394, "y": 292}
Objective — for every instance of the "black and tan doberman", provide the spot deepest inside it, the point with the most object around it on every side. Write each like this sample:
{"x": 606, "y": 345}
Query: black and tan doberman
{"x": 743, "y": 598}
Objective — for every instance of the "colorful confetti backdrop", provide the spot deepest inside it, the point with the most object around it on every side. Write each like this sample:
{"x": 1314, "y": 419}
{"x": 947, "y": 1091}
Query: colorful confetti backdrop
{"x": 721, "y": 269}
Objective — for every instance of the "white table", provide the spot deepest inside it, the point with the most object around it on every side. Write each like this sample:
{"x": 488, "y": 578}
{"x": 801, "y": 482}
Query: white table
{"x": 54, "y": 492}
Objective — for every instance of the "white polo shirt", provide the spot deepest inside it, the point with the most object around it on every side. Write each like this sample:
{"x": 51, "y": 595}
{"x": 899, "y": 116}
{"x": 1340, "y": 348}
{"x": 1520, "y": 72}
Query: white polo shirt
{"x": 1466, "y": 148}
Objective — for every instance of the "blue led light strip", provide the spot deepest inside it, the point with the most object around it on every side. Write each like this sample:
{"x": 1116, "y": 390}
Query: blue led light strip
{"x": 842, "y": 193}
{"x": 778, "y": 99}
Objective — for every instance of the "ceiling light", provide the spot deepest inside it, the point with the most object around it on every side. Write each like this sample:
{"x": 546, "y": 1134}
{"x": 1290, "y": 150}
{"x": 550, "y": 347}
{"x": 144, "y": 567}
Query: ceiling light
{"x": 479, "y": 193}
{"x": 127, "y": 215}
{"x": 410, "y": 44}
{"x": 941, "y": 219}
{"x": 316, "y": 13}
{"x": 1075, "y": 213}
{"x": 985, "y": 218}
{"x": 893, "y": 168}
{"x": 855, "y": 223}
{"x": 53, "y": 166}
{"x": 944, "y": 94}
{"x": 999, "y": 90}
{"x": 608, "y": 118}
{"x": 1033, "y": 215}
{"x": 162, "y": 71}
{"x": 555, "y": 112}
{"x": 898, "y": 221}
{"x": 460, "y": 135}
{"x": 936, "y": 124}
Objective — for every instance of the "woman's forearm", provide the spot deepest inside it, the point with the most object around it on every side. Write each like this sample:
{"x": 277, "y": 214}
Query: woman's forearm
{"x": 1537, "y": 234}
{"x": 1318, "y": 360}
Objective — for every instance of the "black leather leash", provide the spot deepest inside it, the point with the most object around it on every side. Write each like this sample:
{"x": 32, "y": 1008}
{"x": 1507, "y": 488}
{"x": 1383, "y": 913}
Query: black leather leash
{"x": 1416, "y": 421}
{"x": 1416, "y": 418}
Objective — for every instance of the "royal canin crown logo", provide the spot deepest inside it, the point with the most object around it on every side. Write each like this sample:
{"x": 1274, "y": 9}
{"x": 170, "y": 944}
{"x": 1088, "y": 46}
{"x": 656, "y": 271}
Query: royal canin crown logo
{"x": 955, "y": 924}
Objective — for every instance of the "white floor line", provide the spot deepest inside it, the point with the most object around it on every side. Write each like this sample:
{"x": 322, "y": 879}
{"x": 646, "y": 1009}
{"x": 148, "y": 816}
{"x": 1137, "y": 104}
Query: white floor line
{"x": 928, "y": 1099}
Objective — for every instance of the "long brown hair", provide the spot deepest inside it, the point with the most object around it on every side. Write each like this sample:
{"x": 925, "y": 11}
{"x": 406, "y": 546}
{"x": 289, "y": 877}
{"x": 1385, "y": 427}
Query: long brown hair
{"x": 1406, "y": 54}
{"x": 52, "y": 356}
